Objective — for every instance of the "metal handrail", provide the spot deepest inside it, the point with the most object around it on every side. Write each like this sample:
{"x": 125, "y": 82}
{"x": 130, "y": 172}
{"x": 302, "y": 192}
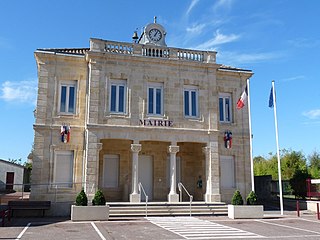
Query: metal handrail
{"x": 182, "y": 187}
{"x": 144, "y": 192}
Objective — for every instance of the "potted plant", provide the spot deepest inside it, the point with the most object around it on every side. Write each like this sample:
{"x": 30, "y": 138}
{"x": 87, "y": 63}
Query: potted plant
{"x": 252, "y": 198}
{"x": 99, "y": 211}
{"x": 82, "y": 199}
{"x": 237, "y": 210}
{"x": 98, "y": 199}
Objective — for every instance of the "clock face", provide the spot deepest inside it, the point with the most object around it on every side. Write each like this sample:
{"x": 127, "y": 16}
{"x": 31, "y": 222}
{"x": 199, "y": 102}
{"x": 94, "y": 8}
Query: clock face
{"x": 155, "y": 35}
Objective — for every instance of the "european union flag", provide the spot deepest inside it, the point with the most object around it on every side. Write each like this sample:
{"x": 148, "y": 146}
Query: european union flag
{"x": 271, "y": 98}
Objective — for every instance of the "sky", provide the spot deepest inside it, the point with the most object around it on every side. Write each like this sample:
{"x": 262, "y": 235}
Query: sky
{"x": 277, "y": 39}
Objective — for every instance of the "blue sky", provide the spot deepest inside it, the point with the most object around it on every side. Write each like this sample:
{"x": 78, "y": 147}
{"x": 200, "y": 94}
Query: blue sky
{"x": 277, "y": 39}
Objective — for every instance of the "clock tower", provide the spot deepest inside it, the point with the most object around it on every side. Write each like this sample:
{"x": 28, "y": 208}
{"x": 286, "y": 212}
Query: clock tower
{"x": 153, "y": 34}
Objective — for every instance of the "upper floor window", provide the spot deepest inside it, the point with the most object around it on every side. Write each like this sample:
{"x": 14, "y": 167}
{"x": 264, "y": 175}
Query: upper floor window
{"x": 118, "y": 96}
{"x": 225, "y": 107}
{"x": 190, "y": 102}
{"x": 68, "y": 95}
{"x": 155, "y": 99}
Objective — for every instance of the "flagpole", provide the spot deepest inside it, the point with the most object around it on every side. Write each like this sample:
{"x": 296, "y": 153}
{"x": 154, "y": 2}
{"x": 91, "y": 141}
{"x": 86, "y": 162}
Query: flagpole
{"x": 250, "y": 137}
{"x": 277, "y": 142}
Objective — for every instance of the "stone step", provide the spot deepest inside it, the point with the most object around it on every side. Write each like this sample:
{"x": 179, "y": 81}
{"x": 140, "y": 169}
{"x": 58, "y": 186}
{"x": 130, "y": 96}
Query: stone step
{"x": 166, "y": 209}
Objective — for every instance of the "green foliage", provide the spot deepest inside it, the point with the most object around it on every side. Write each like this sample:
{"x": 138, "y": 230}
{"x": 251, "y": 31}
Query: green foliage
{"x": 98, "y": 198}
{"x": 298, "y": 183}
{"x": 252, "y": 198}
{"x": 237, "y": 198}
{"x": 28, "y": 166}
{"x": 82, "y": 199}
{"x": 314, "y": 165}
{"x": 290, "y": 162}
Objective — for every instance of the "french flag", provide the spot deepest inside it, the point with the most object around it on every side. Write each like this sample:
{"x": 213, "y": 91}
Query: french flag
{"x": 242, "y": 100}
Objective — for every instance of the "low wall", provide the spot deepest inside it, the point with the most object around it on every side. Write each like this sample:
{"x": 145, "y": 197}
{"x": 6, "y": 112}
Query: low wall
{"x": 312, "y": 205}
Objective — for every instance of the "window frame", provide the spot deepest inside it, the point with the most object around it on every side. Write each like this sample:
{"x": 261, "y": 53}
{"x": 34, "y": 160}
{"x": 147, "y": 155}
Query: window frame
{"x": 155, "y": 87}
{"x": 68, "y": 85}
{"x": 190, "y": 90}
{"x": 60, "y": 184}
{"x": 118, "y": 84}
{"x": 225, "y": 96}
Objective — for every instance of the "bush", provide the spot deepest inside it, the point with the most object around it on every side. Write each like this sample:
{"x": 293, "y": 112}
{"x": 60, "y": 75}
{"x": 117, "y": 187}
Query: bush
{"x": 252, "y": 198}
{"x": 237, "y": 198}
{"x": 82, "y": 199}
{"x": 98, "y": 198}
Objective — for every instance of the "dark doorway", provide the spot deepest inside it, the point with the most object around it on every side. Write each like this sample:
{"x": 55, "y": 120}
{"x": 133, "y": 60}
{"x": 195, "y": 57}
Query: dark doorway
{"x": 9, "y": 180}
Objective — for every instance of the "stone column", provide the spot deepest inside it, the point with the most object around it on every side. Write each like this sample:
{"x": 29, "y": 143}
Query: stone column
{"x": 212, "y": 173}
{"x": 91, "y": 177}
{"x": 173, "y": 196}
{"x": 135, "y": 196}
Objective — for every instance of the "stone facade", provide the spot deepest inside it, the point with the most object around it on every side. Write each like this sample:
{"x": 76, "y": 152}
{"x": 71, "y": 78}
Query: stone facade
{"x": 172, "y": 141}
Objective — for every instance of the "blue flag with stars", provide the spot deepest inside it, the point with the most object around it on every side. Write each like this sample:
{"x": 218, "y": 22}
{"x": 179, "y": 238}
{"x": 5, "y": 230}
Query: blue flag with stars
{"x": 271, "y": 98}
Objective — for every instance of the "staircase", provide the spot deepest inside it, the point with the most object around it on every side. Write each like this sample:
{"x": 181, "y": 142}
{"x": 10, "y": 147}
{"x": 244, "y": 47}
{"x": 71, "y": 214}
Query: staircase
{"x": 130, "y": 210}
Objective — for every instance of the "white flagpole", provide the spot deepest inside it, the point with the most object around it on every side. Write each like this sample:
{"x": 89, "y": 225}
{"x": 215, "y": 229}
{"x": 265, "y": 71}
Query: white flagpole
{"x": 277, "y": 141}
{"x": 250, "y": 132}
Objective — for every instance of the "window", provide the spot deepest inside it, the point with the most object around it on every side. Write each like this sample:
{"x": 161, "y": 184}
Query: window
{"x": 191, "y": 102}
{"x": 227, "y": 172}
{"x": 155, "y": 99}
{"x": 118, "y": 96}
{"x": 63, "y": 169}
{"x": 225, "y": 107}
{"x": 68, "y": 97}
{"x": 110, "y": 171}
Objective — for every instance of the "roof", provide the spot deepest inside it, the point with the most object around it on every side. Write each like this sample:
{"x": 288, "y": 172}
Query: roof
{"x": 11, "y": 163}
{"x": 71, "y": 51}
{"x": 234, "y": 69}
{"x": 82, "y": 52}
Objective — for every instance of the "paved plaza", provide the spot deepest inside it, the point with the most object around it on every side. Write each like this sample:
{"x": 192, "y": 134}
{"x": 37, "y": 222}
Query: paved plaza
{"x": 272, "y": 226}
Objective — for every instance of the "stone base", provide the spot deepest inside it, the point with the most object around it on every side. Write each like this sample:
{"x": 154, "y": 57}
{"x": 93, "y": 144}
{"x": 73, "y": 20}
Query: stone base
{"x": 173, "y": 197}
{"x": 212, "y": 198}
{"x": 245, "y": 211}
{"x": 89, "y": 213}
{"x": 135, "y": 197}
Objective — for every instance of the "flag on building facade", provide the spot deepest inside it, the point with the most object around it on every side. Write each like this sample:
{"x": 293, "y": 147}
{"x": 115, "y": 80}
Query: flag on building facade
{"x": 243, "y": 98}
{"x": 65, "y": 133}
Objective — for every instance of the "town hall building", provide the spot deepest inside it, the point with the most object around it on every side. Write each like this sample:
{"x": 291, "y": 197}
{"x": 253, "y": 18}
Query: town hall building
{"x": 120, "y": 115}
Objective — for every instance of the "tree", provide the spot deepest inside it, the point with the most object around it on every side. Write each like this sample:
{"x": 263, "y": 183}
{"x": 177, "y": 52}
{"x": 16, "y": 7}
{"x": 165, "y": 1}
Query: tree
{"x": 314, "y": 165}
{"x": 298, "y": 183}
{"x": 291, "y": 162}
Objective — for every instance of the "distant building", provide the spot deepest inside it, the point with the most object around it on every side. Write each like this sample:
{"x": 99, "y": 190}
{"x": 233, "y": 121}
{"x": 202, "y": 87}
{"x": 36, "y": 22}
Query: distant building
{"x": 11, "y": 176}
{"x": 118, "y": 113}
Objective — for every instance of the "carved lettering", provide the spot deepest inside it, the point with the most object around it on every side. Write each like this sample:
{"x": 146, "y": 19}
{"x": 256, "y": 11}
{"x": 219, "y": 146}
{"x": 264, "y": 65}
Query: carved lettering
{"x": 156, "y": 123}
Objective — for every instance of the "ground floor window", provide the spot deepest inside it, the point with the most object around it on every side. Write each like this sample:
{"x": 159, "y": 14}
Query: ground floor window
{"x": 227, "y": 172}
{"x": 111, "y": 171}
{"x": 63, "y": 168}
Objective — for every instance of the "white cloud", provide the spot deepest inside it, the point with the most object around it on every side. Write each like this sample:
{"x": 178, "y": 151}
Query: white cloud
{"x": 218, "y": 39}
{"x": 21, "y": 92}
{"x": 312, "y": 114}
{"x": 222, "y": 4}
{"x": 196, "y": 28}
{"x": 290, "y": 79}
{"x": 191, "y": 6}
{"x": 235, "y": 58}
{"x": 304, "y": 43}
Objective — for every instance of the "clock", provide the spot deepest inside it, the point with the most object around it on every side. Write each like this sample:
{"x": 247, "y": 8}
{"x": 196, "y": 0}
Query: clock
{"x": 155, "y": 35}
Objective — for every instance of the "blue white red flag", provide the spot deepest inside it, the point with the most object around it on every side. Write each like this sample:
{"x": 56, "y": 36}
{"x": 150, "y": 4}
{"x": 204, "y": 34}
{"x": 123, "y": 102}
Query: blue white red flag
{"x": 243, "y": 98}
